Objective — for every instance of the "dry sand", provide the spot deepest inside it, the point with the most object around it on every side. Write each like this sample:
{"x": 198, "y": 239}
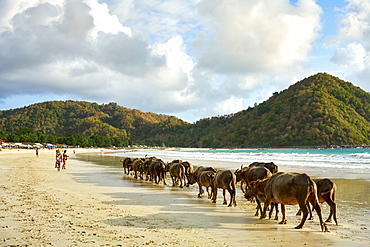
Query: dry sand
{"x": 90, "y": 205}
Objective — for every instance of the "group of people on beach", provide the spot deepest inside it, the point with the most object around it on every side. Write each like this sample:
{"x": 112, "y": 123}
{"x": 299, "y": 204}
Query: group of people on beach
{"x": 61, "y": 159}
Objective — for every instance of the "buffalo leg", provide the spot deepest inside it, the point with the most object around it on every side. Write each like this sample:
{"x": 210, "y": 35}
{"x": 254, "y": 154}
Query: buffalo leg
{"x": 231, "y": 190}
{"x": 232, "y": 196}
{"x": 214, "y": 196}
{"x": 209, "y": 193}
{"x": 304, "y": 209}
{"x": 272, "y": 206}
{"x": 181, "y": 182}
{"x": 310, "y": 211}
{"x": 284, "y": 220}
{"x": 224, "y": 194}
{"x": 259, "y": 208}
{"x": 299, "y": 213}
{"x": 322, "y": 223}
{"x": 265, "y": 206}
{"x": 200, "y": 191}
{"x": 333, "y": 209}
{"x": 276, "y": 206}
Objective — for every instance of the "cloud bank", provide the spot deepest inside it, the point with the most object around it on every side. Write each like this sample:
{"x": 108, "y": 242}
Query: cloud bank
{"x": 192, "y": 59}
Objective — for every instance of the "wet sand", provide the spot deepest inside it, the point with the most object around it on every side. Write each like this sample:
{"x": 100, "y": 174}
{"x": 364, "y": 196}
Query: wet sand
{"x": 93, "y": 204}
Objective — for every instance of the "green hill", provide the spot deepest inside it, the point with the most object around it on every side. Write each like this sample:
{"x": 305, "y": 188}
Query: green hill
{"x": 74, "y": 122}
{"x": 319, "y": 110}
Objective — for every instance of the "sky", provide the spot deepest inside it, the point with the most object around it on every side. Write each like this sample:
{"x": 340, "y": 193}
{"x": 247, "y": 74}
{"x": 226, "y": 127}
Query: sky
{"x": 191, "y": 59}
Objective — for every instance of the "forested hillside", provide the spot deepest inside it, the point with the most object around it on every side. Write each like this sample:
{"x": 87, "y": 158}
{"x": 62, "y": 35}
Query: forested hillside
{"x": 78, "y": 123}
{"x": 319, "y": 110}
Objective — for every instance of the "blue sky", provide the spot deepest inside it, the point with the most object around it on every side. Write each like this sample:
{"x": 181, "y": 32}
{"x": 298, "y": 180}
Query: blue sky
{"x": 188, "y": 58}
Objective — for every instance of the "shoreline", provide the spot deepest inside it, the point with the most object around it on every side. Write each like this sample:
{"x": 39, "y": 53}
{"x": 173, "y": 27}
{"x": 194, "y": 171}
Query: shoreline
{"x": 90, "y": 204}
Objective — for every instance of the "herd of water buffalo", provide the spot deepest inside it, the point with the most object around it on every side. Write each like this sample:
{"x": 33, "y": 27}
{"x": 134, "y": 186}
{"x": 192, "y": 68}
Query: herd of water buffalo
{"x": 260, "y": 181}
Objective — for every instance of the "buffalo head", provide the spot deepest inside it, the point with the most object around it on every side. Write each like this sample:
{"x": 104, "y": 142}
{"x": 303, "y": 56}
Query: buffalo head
{"x": 252, "y": 191}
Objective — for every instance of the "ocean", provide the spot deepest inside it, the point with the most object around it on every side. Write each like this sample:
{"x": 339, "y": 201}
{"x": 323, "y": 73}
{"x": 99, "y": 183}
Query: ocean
{"x": 333, "y": 163}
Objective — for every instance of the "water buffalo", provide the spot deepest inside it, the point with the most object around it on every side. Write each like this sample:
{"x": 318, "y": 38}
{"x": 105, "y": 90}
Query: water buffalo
{"x": 326, "y": 189}
{"x": 202, "y": 169}
{"x": 249, "y": 174}
{"x": 177, "y": 173}
{"x": 288, "y": 189}
{"x": 239, "y": 178}
{"x": 193, "y": 177}
{"x": 254, "y": 173}
{"x": 157, "y": 171}
{"x": 127, "y": 165}
{"x": 269, "y": 165}
{"x": 146, "y": 165}
{"x": 137, "y": 167}
{"x": 226, "y": 180}
{"x": 188, "y": 169}
{"x": 204, "y": 178}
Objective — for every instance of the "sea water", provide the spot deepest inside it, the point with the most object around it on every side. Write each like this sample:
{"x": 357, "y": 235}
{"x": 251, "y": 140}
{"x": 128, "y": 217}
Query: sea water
{"x": 340, "y": 163}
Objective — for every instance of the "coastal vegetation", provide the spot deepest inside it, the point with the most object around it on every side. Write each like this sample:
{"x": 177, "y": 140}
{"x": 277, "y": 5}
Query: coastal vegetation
{"x": 320, "y": 110}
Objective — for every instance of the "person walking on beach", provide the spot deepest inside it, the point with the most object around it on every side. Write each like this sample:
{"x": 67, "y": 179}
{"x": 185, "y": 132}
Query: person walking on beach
{"x": 65, "y": 157}
{"x": 59, "y": 159}
{"x": 37, "y": 152}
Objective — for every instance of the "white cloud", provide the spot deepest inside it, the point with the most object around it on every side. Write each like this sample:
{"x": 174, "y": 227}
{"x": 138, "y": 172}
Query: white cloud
{"x": 104, "y": 21}
{"x": 159, "y": 20}
{"x": 353, "y": 43}
{"x": 257, "y": 36}
{"x": 76, "y": 21}
{"x": 352, "y": 56}
{"x": 179, "y": 65}
{"x": 230, "y": 105}
{"x": 355, "y": 25}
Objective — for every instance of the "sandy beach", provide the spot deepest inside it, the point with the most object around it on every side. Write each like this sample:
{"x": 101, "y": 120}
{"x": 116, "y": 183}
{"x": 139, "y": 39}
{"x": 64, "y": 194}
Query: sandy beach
{"x": 95, "y": 205}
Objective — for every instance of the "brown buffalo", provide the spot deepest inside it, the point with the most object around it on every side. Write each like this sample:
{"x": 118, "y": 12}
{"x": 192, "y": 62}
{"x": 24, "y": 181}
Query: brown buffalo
{"x": 226, "y": 180}
{"x": 193, "y": 177}
{"x": 157, "y": 171}
{"x": 239, "y": 178}
{"x": 127, "y": 165}
{"x": 288, "y": 189}
{"x": 326, "y": 189}
{"x": 146, "y": 165}
{"x": 177, "y": 173}
{"x": 269, "y": 165}
{"x": 137, "y": 167}
{"x": 249, "y": 174}
{"x": 203, "y": 179}
{"x": 188, "y": 169}
{"x": 254, "y": 173}
{"x": 200, "y": 169}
